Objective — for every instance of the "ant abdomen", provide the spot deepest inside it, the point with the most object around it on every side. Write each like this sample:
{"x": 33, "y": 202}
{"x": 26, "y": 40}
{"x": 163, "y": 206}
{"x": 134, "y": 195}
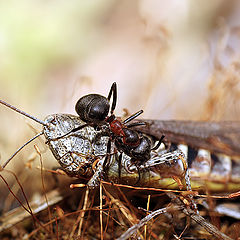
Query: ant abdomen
{"x": 143, "y": 150}
{"x": 92, "y": 108}
{"x": 140, "y": 152}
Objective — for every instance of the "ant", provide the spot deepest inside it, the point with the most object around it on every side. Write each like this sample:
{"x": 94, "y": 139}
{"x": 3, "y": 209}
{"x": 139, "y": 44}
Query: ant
{"x": 94, "y": 108}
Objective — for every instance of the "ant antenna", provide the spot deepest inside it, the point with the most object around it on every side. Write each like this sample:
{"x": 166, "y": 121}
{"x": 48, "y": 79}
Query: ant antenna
{"x": 113, "y": 91}
{"x": 23, "y": 113}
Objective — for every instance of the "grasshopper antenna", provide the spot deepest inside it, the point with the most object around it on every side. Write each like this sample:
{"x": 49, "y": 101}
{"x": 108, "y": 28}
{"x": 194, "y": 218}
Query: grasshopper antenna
{"x": 19, "y": 149}
{"x": 29, "y": 116}
{"x": 23, "y": 113}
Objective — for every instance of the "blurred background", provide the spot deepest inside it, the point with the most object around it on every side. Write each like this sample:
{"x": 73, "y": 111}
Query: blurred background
{"x": 173, "y": 59}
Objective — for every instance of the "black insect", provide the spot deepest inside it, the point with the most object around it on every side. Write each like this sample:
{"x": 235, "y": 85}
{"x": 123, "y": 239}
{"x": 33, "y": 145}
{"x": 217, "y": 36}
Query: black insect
{"x": 94, "y": 110}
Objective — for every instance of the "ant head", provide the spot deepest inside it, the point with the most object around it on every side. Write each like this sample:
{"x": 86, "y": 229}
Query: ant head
{"x": 92, "y": 108}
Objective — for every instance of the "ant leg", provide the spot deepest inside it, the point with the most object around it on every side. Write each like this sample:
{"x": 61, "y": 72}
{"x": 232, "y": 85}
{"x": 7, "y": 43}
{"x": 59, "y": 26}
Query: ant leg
{"x": 106, "y": 160}
{"x": 136, "y": 124}
{"x": 159, "y": 143}
{"x": 139, "y": 175}
{"x": 80, "y": 127}
{"x": 120, "y": 166}
{"x": 135, "y": 164}
{"x": 113, "y": 91}
{"x": 72, "y": 131}
{"x": 132, "y": 117}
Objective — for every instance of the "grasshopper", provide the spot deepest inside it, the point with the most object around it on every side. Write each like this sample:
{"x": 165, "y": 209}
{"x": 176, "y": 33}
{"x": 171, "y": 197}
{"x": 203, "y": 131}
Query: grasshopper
{"x": 80, "y": 152}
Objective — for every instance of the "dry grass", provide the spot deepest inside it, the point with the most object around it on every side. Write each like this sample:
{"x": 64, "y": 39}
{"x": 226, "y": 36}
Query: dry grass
{"x": 110, "y": 212}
